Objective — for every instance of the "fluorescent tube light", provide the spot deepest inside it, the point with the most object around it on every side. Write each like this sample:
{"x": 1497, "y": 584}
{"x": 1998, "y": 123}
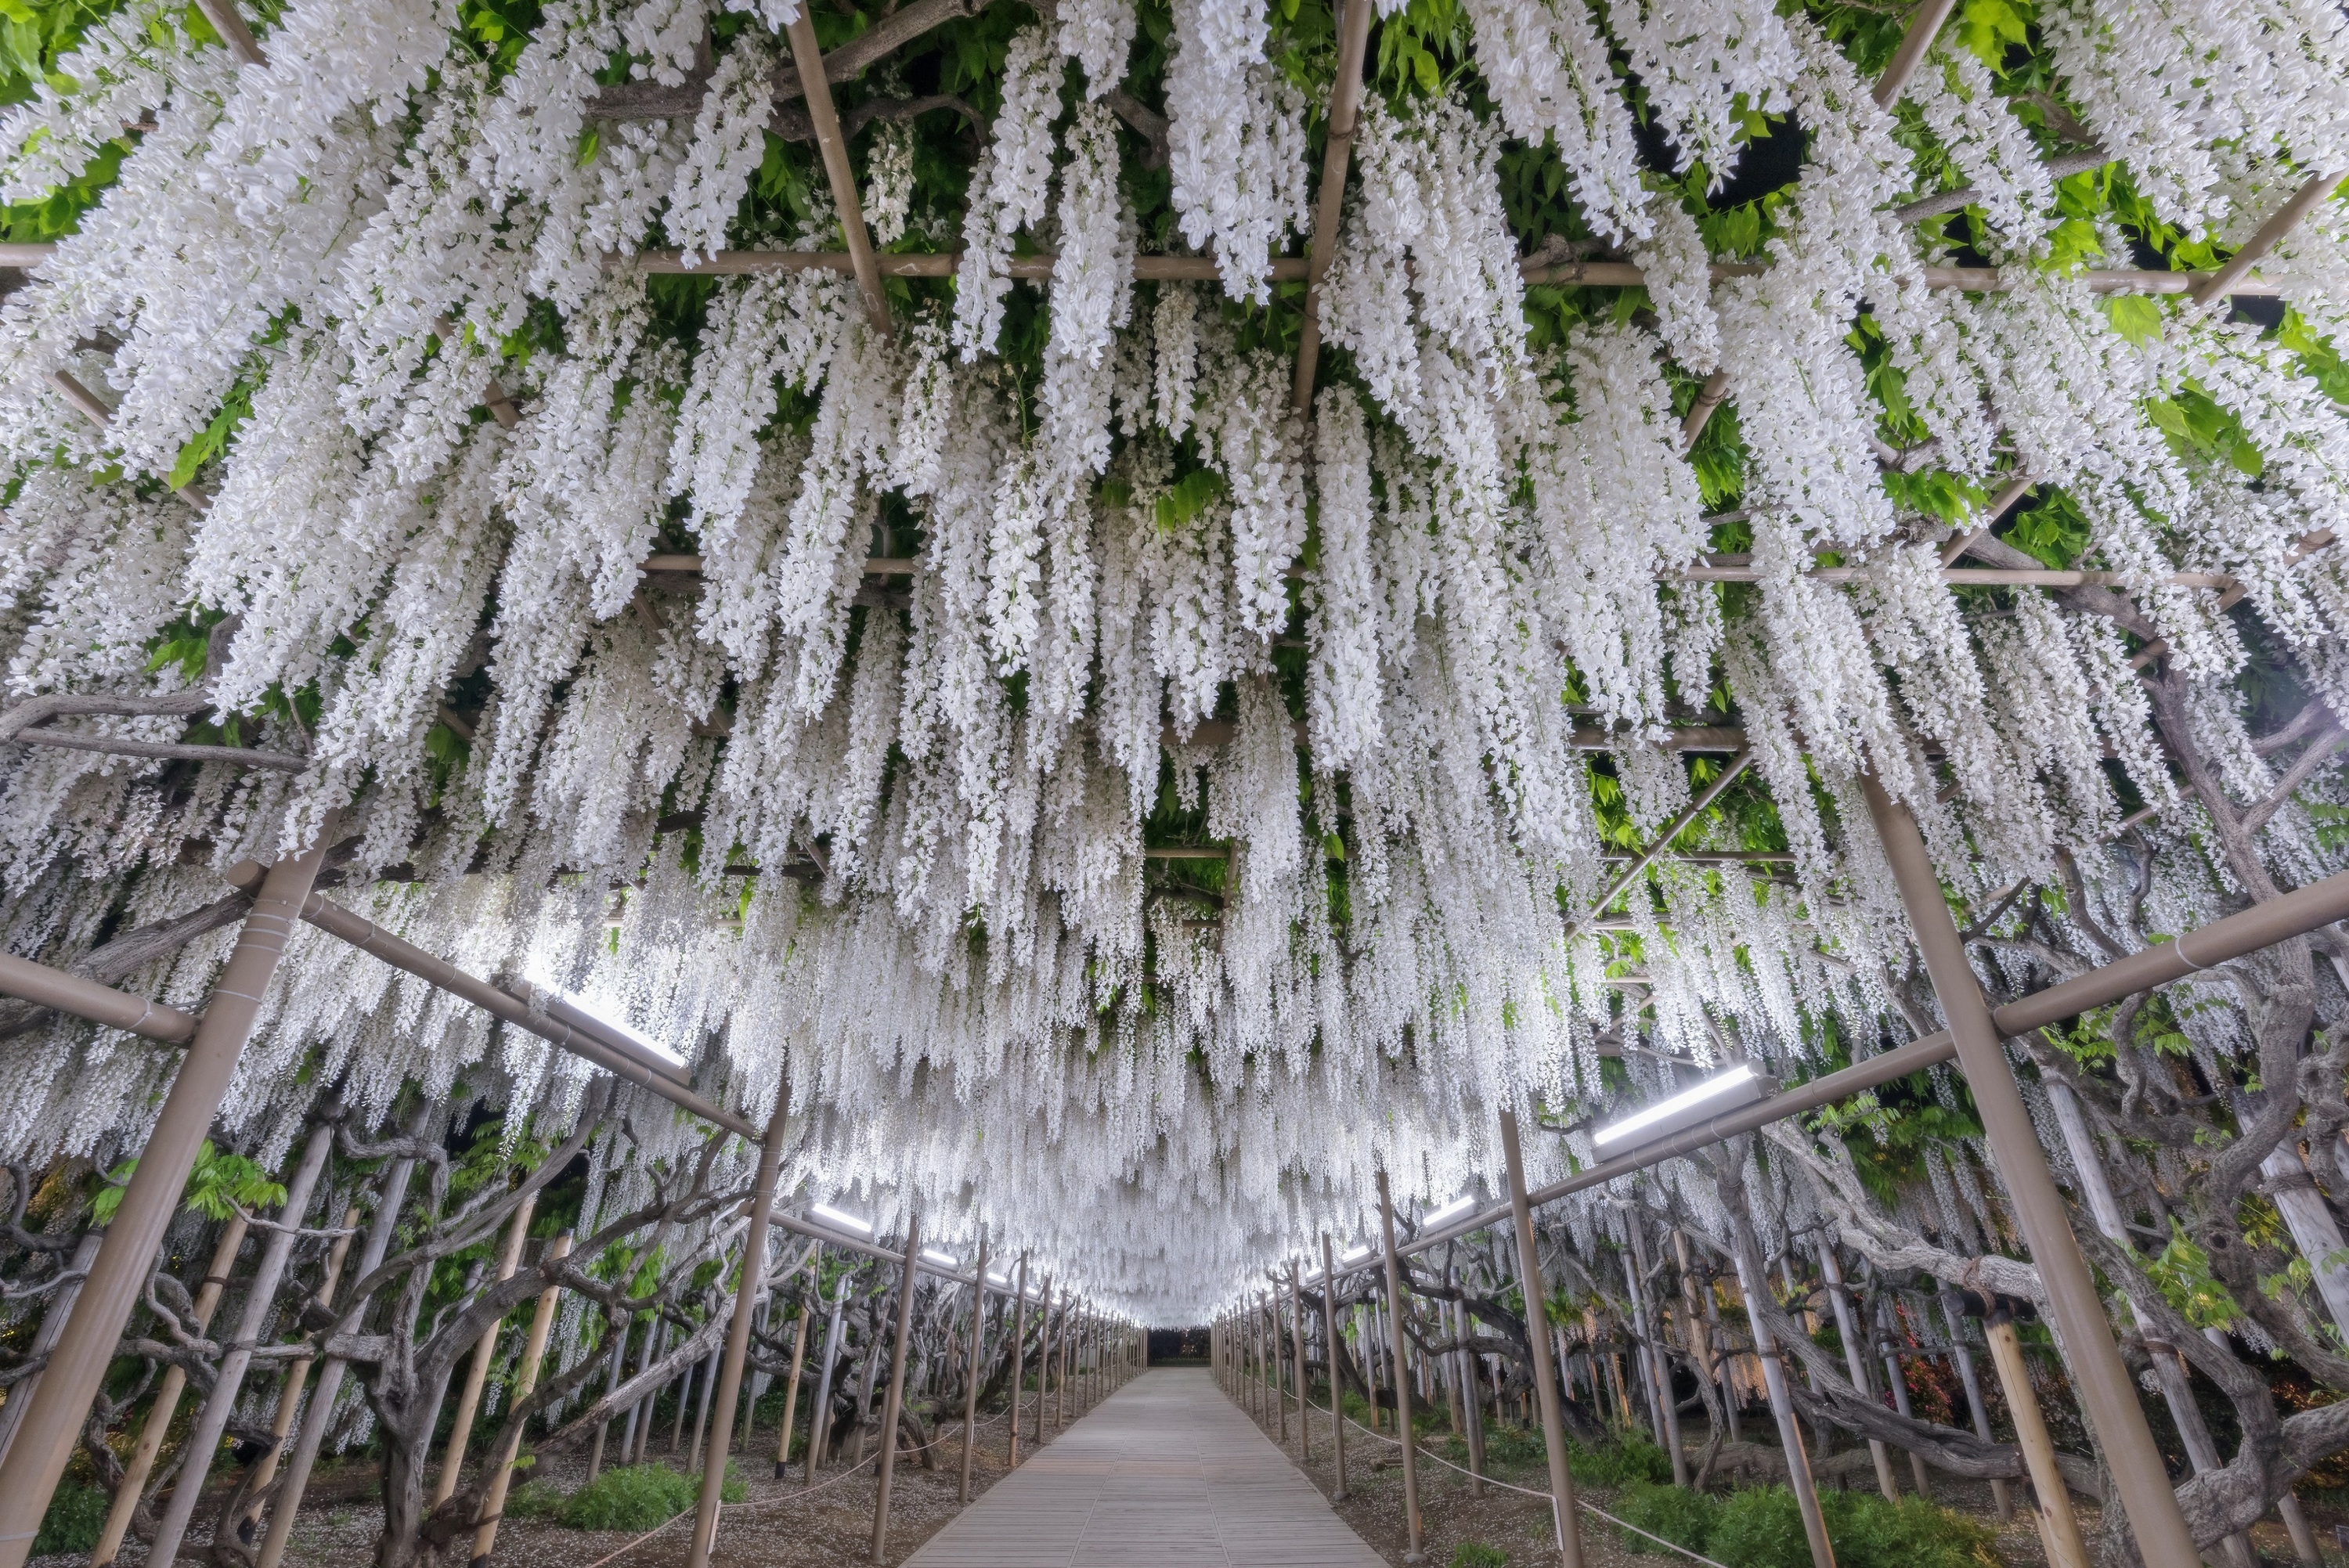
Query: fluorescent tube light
{"x": 1726, "y": 1091}
{"x": 834, "y": 1217}
{"x": 1359, "y": 1253}
{"x": 1457, "y": 1207}
{"x": 941, "y": 1259}
{"x": 993, "y": 1278}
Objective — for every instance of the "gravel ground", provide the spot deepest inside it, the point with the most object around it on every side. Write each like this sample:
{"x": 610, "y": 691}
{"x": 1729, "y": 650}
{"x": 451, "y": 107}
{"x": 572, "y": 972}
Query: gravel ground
{"x": 1450, "y": 1514}
{"x": 779, "y": 1525}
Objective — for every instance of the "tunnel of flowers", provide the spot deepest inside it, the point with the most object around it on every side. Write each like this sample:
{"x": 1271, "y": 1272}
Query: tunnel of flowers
{"x": 985, "y": 673}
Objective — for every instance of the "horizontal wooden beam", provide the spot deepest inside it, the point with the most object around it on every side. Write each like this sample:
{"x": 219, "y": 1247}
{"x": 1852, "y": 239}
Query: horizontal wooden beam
{"x": 602, "y": 1048}
{"x": 1290, "y": 269}
{"x": 69, "y": 992}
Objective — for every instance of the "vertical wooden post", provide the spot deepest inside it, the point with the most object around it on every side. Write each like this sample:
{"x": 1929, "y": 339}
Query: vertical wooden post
{"x": 820, "y": 1411}
{"x": 1296, "y": 1353}
{"x": 485, "y": 1351}
{"x": 534, "y": 1352}
{"x": 1855, "y": 1359}
{"x": 46, "y": 1435}
{"x": 2000, "y": 1498}
{"x": 1019, "y": 1356}
{"x": 737, "y": 1330}
{"x": 1402, "y": 1383}
{"x": 297, "y": 1372}
{"x": 1754, "y": 1284}
{"x": 620, "y": 1334}
{"x": 1330, "y": 1354}
{"x": 2059, "y": 1529}
{"x": 203, "y": 1438}
{"x": 791, "y": 1387}
{"x": 1660, "y": 1370}
{"x": 971, "y": 1375}
{"x": 895, "y": 1399}
{"x": 1043, "y": 1357}
{"x": 1279, "y": 1389}
{"x": 2107, "y": 1394}
{"x": 1898, "y": 1378}
{"x": 167, "y": 1402}
{"x": 1536, "y": 1290}
{"x": 318, "y": 1415}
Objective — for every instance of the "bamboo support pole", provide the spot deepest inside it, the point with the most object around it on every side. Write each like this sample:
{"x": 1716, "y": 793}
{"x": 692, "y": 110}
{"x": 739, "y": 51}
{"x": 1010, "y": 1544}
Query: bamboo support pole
{"x": 1536, "y": 1290}
{"x": 230, "y": 25}
{"x": 601, "y": 1046}
{"x": 167, "y": 1401}
{"x": 1415, "y": 1532}
{"x": 1896, "y": 1379}
{"x": 2107, "y": 1393}
{"x": 1330, "y": 205}
{"x": 1297, "y": 1356}
{"x": 1924, "y": 25}
{"x": 203, "y": 1438}
{"x": 53, "y": 1327}
{"x": 1330, "y": 1348}
{"x": 2281, "y": 221}
{"x": 2168, "y": 1370}
{"x": 485, "y": 1351}
{"x": 53, "y": 1418}
{"x": 791, "y": 1389}
{"x": 69, "y": 992}
{"x": 319, "y": 1414}
{"x": 542, "y": 1323}
{"x": 970, "y": 1373}
{"x": 893, "y": 1400}
{"x": 1751, "y": 1280}
{"x": 297, "y": 1372}
{"x": 1019, "y": 1359}
{"x": 2002, "y": 1499}
{"x": 820, "y": 1408}
{"x": 1672, "y": 830}
{"x": 746, "y": 1293}
{"x": 1855, "y": 1359}
{"x": 2295, "y": 913}
{"x": 2059, "y": 1529}
{"x": 613, "y": 1380}
{"x": 809, "y": 58}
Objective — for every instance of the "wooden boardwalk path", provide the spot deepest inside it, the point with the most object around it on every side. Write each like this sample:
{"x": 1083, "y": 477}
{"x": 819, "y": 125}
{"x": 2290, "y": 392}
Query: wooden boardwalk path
{"x": 1165, "y": 1473}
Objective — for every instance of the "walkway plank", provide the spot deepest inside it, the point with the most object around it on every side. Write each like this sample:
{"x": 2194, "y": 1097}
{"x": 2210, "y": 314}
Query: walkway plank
{"x": 1166, "y": 1473}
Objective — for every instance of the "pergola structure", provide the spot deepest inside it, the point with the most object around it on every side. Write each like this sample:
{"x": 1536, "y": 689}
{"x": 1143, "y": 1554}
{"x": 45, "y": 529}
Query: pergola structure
{"x": 936, "y": 623}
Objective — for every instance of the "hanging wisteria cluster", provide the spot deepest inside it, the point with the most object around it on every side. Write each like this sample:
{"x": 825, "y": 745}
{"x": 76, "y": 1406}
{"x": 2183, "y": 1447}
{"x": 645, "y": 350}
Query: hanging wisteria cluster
{"x": 1107, "y": 779}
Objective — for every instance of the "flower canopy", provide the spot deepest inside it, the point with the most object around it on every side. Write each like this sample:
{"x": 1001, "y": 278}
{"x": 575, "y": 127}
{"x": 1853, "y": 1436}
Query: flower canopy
{"x": 1130, "y": 790}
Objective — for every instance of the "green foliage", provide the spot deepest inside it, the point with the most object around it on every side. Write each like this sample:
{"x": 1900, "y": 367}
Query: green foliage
{"x": 1632, "y": 1463}
{"x": 2183, "y": 1272}
{"x": 218, "y": 1186}
{"x": 77, "y": 1514}
{"x": 1681, "y": 1516}
{"x": 535, "y": 1500}
{"x": 1762, "y": 1527}
{"x": 639, "y": 1497}
{"x": 633, "y": 1497}
{"x": 1476, "y": 1554}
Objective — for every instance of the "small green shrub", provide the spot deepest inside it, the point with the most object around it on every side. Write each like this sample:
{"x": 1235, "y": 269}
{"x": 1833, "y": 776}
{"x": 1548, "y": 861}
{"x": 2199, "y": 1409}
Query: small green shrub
{"x": 535, "y": 1500}
{"x": 1634, "y": 1459}
{"x": 633, "y": 1497}
{"x": 76, "y": 1517}
{"x": 1870, "y": 1533}
{"x": 1476, "y": 1554}
{"x": 1682, "y": 1517}
{"x": 1762, "y": 1527}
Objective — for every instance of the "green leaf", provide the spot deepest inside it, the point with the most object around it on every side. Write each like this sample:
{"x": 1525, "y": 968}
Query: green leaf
{"x": 1988, "y": 28}
{"x": 2137, "y": 317}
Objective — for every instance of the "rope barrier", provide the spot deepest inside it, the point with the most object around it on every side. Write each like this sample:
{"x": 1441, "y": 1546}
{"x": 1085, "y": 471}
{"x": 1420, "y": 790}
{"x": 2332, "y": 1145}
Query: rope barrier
{"x": 1528, "y": 1491}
